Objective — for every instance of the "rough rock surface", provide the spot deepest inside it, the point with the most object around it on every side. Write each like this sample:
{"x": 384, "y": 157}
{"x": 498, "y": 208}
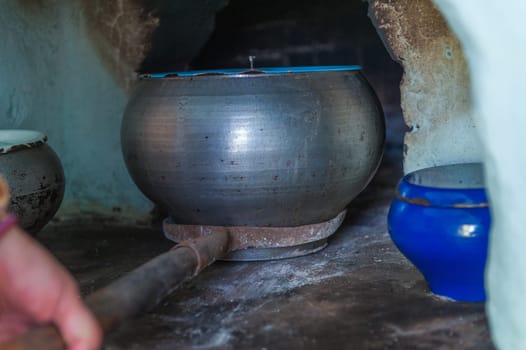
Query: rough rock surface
{"x": 121, "y": 31}
{"x": 435, "y": 86}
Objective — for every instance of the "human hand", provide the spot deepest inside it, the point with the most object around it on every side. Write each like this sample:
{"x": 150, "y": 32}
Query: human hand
{"x": 35, "y": 289}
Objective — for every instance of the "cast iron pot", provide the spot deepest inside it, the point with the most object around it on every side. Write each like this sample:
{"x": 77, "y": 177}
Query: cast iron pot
{"x": 34, "y": 175}
{"x": 272, "y": 147}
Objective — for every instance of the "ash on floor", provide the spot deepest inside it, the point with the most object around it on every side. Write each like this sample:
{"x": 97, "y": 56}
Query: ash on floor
{"x": 358, "y": 293}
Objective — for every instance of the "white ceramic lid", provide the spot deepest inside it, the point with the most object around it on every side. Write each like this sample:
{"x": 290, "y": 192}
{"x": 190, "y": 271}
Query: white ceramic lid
{"x": 12, "y": 140}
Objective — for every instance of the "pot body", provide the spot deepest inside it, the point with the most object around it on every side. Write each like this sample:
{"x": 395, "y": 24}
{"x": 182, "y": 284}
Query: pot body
{"x": 35, "y": 178}
{"x": 253, "y": 150}
{"x": 443, "y": 229}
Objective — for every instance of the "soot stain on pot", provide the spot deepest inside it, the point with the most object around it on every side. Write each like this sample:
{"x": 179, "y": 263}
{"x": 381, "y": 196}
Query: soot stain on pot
{"x": 22, "y": 175}
{"x": 41, "y": 204}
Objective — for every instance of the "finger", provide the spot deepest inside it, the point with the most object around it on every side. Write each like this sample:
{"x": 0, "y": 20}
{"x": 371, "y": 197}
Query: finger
{"x": 78, "y": 326}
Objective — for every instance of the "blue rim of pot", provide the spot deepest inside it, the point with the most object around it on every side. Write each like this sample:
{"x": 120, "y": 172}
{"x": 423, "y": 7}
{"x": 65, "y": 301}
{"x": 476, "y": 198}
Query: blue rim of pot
{"x": 458, "y": 186}
{"x": 249, "y": 71}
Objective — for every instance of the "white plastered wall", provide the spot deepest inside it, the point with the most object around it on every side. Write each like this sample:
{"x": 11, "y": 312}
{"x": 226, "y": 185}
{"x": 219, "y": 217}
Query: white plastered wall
{"x": 494, "y": 42}
{"x": 52, "y": 80}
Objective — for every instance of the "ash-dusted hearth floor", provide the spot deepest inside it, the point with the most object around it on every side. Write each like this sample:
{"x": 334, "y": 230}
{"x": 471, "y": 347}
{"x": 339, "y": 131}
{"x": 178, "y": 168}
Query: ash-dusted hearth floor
{"x": 358, "y": 293}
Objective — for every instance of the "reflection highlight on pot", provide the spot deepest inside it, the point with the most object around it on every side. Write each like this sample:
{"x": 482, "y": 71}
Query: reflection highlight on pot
{"x": 240, "y": 139}
{"x": 467, "y": 230}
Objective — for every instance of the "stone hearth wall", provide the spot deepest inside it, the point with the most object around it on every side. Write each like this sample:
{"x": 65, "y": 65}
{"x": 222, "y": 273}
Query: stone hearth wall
{"x": 435, "y": 90}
